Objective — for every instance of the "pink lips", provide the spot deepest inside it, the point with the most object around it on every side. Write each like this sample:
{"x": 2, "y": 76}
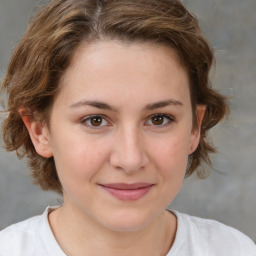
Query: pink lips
{"x": 127, "y": 192}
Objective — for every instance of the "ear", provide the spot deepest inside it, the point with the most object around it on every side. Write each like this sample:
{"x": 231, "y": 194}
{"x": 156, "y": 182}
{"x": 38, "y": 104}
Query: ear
{"x": 195, "y": 134}
{"x": 39, "y": 133}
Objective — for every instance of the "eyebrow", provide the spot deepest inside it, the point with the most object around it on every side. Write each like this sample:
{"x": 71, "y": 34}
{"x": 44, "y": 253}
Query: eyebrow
{"x": 96, "y": 104}
{"x": 105, "y": 106}
{"x": 164, "y": 103}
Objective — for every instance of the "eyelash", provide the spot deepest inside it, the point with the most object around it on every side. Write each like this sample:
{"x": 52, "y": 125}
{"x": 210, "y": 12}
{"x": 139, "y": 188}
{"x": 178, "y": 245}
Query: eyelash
{"x": 90, "y": 119}
{"x": 167, "y": 119}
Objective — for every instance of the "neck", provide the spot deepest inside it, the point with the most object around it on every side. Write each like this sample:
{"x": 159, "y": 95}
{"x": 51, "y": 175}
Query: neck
{"x": 77, "y": 234}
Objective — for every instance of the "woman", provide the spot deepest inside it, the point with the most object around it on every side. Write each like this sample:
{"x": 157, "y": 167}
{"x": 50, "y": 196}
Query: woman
{"x": 110, "y": 102}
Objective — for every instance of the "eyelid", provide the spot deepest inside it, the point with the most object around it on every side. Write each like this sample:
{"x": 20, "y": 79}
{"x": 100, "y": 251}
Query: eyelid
{"x": 86, "y": 118}
{"x": 170, "y": 118}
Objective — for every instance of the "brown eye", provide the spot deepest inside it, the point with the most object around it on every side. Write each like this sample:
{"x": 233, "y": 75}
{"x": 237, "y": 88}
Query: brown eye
{"x": 96, "y": 121}
{"x": 157, "y": 120}
{"x": 160, "y": 120}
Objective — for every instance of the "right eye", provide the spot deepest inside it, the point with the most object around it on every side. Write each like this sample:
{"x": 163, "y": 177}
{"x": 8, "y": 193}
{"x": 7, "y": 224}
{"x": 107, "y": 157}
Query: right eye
{"x": 94, "y": 121}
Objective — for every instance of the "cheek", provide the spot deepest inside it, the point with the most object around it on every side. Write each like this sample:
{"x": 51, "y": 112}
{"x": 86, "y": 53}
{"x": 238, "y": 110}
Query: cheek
{"x": 170, "y": 161}
{"x": 171, "y": 155}
{"x": 78, "y": 159}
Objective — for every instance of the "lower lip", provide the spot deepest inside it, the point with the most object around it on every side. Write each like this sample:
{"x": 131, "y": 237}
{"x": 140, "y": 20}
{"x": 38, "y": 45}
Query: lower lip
{"x": 128, "y": 194}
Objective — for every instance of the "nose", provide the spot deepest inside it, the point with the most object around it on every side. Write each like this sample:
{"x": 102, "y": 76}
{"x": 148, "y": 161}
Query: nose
{"x": 129, "y": 152}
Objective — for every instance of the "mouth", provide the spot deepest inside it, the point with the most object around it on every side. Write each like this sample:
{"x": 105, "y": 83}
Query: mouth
{"x": 127, "y": 192}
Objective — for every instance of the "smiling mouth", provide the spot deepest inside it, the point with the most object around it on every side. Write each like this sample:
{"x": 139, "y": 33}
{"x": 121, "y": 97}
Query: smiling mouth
{"x": 127, "y": 192}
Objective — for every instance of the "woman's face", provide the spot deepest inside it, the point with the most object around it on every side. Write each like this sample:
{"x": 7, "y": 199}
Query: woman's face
{"x": 121, "y": 132}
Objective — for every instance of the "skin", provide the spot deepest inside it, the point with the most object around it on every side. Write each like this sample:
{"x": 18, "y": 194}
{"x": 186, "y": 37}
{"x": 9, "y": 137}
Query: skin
{"x": 124, "y": 144}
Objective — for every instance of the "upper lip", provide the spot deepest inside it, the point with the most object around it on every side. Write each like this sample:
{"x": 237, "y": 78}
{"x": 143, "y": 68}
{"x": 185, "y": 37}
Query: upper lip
{"x": 125, "y": 186}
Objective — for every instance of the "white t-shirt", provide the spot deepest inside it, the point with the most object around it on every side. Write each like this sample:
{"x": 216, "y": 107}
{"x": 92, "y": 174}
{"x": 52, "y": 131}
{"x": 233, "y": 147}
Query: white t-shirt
{"x": 194, "y": 237}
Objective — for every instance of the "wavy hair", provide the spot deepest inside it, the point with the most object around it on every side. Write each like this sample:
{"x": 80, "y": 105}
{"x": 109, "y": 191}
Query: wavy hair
{"x": 58, "y": 29}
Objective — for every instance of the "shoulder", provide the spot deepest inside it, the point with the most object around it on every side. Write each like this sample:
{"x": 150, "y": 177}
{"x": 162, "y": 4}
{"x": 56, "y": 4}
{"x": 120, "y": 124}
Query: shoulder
{"x": 18, "y": 236}
{"x": 213, "y": 237}
{"x": 30, "y": 237}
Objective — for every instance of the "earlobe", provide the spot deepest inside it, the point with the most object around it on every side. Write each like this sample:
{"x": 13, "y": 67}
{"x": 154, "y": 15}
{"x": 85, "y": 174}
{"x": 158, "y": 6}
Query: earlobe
{"x": 195, "y": 135}
{"x": 39, "y": 133}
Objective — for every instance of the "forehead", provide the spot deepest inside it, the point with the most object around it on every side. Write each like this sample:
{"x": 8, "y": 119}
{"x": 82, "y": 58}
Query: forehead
{"x": 111, "y": 69}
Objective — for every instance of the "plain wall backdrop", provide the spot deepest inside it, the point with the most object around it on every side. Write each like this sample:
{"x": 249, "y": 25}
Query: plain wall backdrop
{"x": 228, "y": 194}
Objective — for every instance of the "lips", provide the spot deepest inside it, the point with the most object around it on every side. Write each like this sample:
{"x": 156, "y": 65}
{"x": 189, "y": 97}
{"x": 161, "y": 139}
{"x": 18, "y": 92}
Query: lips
{"x": 127, "y": 192}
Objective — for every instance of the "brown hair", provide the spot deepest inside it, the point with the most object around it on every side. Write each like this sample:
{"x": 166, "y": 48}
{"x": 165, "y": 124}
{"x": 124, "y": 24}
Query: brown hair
{"x": 54, "y": 34}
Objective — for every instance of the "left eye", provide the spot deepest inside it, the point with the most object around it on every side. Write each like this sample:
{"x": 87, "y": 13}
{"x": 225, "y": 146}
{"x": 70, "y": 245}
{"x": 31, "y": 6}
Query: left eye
{"x": 95, "y": 121}
{"x": 160, "y": 120}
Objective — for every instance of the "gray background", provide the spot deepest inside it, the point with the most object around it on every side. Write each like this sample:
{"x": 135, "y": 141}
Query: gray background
{"x": 228, "y": 194}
